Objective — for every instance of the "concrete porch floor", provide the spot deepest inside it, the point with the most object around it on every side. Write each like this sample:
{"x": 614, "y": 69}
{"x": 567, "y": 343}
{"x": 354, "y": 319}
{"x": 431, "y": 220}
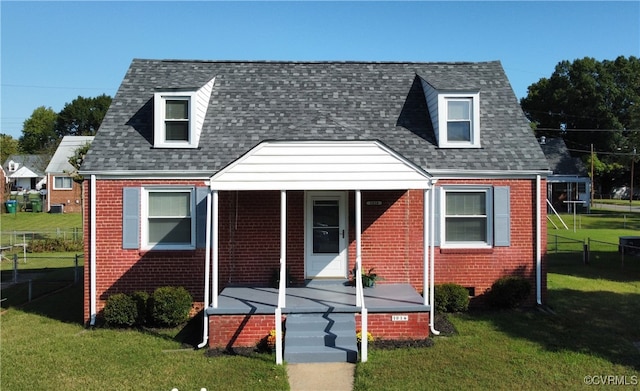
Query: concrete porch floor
{"x": 319, "y": 297}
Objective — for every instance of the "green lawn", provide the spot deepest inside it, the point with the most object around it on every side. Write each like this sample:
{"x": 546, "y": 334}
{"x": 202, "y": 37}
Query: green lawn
{"x": 589, "y": 330}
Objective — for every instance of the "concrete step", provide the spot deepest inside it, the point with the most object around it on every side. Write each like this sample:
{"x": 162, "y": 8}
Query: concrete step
{"x": 320, "y": 338}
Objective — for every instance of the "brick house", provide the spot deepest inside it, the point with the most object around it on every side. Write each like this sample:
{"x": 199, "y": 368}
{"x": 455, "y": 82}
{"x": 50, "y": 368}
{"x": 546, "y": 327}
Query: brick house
{"x": 261, "y": 186}
{"x": 63, "y": 191}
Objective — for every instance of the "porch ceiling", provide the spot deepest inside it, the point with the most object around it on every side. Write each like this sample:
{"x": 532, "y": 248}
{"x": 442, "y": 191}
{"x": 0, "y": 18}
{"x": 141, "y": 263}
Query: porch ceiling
{"x": 321, "y": 165}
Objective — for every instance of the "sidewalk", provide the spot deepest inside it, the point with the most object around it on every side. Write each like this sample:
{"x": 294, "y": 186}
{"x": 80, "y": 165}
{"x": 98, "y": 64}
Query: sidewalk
{"x": 321, "y": 376}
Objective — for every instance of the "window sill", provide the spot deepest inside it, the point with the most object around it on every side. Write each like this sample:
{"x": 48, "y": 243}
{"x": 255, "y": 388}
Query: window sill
{"x": 466, "y": 250}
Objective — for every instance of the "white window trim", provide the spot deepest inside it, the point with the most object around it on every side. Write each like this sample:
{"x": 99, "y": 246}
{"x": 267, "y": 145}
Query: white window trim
{"x": 159, "y": 109}
{"x": 62, "y": 188}
{"x": 144, "y": 220}
{"x": 488, "y": 190}
{"x": 443, "y": 140}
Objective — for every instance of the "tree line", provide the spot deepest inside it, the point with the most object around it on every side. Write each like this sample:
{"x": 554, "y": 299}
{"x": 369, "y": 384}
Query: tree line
{"x": 43, "y": 130}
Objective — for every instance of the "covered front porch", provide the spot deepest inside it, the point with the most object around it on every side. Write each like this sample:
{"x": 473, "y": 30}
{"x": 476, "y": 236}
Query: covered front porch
{"x": 326, "y": 173}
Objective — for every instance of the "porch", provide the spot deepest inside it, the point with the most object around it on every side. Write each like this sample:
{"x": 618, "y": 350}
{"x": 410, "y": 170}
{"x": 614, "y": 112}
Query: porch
{"x": 319, "y": 297}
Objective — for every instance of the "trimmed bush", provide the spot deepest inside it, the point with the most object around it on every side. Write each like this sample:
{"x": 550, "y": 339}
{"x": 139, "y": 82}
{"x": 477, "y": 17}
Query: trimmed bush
{"x": 120, "y": 310}
{"x": 508, "y": 292}
{"x": 142, "y": 305}
{"x": 451, "y": 297}
{"x": 170, "y": 306}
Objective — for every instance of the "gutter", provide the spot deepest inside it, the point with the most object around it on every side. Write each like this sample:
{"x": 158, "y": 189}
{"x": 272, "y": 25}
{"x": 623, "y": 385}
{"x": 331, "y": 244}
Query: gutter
{"x": 538, "y": 243}
{"x": 432, "y": 223}
{"x": 207, "y": 271}
{"x": 92, "y": 250}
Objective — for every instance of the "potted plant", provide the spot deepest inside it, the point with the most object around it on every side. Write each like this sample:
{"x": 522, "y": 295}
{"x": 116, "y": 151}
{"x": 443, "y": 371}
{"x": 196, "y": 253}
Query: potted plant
{"x": 368, "y": 278}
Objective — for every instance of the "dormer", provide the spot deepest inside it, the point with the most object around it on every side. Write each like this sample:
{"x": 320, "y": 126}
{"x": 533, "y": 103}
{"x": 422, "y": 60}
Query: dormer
{"x": 13, "y": 166}
{"x": 455, "y": 116}
{"x": 179, "y": 115}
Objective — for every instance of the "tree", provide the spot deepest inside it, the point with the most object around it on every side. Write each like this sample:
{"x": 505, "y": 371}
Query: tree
{"x": 8, "y": 147}
{"x": 590, "y": 102}
{"x": 83, "y": 116}
{"x": 38, "y": 131}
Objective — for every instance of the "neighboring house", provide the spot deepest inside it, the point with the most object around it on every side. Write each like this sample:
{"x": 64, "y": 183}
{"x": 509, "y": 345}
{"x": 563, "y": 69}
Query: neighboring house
{"x": 231, "y": 177}
{"x": 569, "y": 184}
{"x": 63, "y": 192}
{"x": 26, "y": 172}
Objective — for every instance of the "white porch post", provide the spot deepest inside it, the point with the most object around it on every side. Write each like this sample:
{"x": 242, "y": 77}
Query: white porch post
{"x": 358, "y": 197}
{"x": 214, "y": 249}
{"x": 283, "y": 249}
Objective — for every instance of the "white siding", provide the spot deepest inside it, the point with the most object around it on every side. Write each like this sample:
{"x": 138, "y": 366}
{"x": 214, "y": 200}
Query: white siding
{"x": 320, "y": 166}
{"x": 203, "y": 95}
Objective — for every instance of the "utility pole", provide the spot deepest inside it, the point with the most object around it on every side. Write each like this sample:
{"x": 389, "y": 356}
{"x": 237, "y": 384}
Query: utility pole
{"x": 592, "y": 181}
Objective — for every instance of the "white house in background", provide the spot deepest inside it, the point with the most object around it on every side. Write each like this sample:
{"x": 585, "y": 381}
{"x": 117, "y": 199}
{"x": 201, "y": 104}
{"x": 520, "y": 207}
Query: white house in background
{"x": 25, "y": 172}
{"x": 65, "y": 194}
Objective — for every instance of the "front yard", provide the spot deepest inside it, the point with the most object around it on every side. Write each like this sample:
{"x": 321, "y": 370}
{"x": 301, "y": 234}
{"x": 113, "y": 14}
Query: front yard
{"x": 588, "y": 335}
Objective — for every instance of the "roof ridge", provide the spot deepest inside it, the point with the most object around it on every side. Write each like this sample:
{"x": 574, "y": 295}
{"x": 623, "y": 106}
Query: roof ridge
{"x": 314, "y": 61}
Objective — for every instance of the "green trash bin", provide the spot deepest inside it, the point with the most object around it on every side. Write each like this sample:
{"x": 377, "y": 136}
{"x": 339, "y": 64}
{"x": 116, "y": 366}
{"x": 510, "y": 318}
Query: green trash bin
{"x": 11, "y": 206}
{"x": 36, "y": 206}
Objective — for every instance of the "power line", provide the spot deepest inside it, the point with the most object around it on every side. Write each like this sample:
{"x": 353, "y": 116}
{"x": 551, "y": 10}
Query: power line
{"x": 585, "y": 130}
{"x": 55, "y": 87}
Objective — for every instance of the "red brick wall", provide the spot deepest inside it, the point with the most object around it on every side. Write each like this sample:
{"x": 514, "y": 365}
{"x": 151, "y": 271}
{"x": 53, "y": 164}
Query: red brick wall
{"x": 239, "y": 330}
{"x": 382, "y": 325}
{"x": 119, "y": 270}
{"x": 480, "y": 268}
{"x": 250, "y": 237}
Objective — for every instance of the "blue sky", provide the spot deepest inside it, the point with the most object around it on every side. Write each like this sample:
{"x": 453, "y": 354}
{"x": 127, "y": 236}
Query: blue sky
{"x": 53, "y": 52}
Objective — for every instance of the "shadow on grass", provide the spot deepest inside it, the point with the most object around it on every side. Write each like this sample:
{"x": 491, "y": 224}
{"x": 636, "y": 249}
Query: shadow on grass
{"x": 599, "y": 323}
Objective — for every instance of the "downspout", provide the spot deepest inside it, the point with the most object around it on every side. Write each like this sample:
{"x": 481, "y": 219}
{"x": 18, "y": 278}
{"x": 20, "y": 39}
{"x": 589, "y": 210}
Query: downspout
{"x": 92, "y": 250}
{"x": 207, "y": 270}
{"x": 538, "y": 243}
{"x": 432, "y": 222}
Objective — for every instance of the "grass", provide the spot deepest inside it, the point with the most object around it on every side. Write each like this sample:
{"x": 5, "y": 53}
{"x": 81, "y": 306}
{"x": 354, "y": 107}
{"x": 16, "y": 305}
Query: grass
{"x": 590, "y": 331}
{"x": 45, "y": 347}
{"x": 25, "y": 221}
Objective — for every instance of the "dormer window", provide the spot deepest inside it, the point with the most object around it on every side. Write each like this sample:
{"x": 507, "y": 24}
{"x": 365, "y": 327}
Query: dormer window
{"x": 174, "y": 124}
{"x": 459, "y": 120}
{"x": 455, "y": 116}
{"x": 13, "y": 166}
{"x": 179, "y": 116}
{"x": 176, "y": 120}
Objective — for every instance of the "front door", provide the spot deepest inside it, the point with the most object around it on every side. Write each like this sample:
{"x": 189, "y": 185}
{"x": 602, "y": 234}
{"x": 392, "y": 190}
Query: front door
{"x": 326, "y": 235}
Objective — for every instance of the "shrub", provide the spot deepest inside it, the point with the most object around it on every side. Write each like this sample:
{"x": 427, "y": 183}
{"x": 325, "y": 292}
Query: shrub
{"x": 120, "y": 310}
{"x": 53, "y": 245}
{"x": 142, "y": 305}
{"x": 508, "y": 292}
{"x": 451, "y": 298}
{"x": 170, "y": 306}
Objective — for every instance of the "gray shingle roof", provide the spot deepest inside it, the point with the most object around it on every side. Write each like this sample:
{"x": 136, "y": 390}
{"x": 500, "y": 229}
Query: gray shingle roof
{"x": 560, "y": 160}
{"x": 256, "y": 101}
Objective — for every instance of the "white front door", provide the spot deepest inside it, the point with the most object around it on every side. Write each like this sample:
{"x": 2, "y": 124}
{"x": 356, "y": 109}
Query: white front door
{"x": 326, "y": 234}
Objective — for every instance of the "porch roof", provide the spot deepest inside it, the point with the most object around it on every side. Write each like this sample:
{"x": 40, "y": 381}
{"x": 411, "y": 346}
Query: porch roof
{"x": 321, "y": 165}
{"x": 319, "y": 297}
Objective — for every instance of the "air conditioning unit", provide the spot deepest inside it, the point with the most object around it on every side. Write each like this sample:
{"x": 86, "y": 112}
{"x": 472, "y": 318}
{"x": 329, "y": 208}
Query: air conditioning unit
{"x": 57, "y": 208}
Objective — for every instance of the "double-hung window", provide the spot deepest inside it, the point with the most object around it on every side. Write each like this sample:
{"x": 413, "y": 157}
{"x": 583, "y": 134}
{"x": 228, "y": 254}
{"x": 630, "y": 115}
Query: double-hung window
{"x": 168, "y": 218}
{"x": 62, "y": 183}
{"x": 174, "y": 124}
{"x": 459, "y": 119}
{"x": 468, "y": 217}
